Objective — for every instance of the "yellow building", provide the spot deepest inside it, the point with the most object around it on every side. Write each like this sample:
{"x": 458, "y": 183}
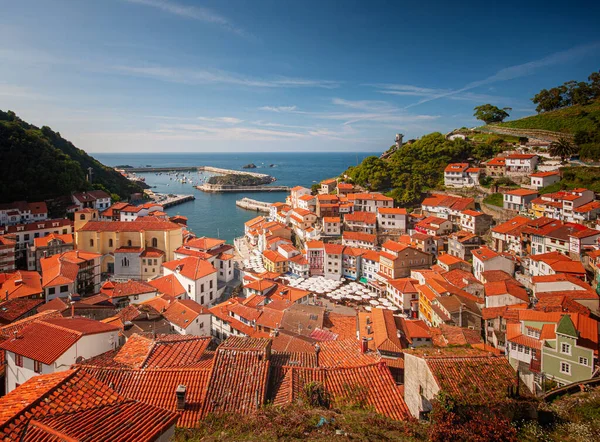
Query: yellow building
{"x": 104, "y": 237}
{"x": 275, "y": 262}
{"x": 426, "y": 298}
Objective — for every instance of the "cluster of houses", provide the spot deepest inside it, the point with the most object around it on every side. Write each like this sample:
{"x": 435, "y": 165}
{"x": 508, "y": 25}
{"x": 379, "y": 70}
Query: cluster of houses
{"x": 121, "y": 307}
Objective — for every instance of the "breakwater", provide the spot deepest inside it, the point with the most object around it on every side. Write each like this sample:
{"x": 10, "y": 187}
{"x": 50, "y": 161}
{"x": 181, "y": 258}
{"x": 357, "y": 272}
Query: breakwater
{"x": 224, "y": 188}
{"x": 218, "y": 170}
{"x": 250, "y": 204}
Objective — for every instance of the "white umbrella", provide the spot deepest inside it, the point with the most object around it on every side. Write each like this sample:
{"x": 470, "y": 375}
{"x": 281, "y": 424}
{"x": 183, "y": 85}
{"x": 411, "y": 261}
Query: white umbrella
{"x": 365, "y": 296}
{"x": 373, "y": 295}
{"x": 379, "y": 306}
{"x": 373, "y": 302}
{"x": 393, "y": 308}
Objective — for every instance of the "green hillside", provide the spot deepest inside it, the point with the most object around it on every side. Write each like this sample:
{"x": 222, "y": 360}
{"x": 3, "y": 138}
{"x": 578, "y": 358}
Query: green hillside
{"x": 38, "y": 164}
{"x": 568, "y": 120}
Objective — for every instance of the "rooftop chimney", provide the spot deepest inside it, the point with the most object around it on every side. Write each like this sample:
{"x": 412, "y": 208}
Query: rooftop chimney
{"x": 180, "y": 393}
{"x": 317, "y": 351}
{"x": 364, "y": 345}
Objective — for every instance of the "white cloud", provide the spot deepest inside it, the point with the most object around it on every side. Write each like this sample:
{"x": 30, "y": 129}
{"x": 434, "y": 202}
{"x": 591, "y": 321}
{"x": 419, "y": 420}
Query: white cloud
{"x": 205, "y": 76}
{"x": 193, "y": 13}
{"x": 278, "y": 108}
{"x": 227, "y": 120}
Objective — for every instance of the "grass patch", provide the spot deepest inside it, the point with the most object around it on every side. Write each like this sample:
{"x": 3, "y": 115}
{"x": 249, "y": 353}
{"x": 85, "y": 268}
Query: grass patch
{"x": 576, "y": 177}
{"x": 495, "y": 199}
{"x": 568, "y": 120}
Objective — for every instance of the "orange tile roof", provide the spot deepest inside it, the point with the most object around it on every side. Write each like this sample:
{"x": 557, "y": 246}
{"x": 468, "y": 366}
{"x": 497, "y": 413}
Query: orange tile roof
{"x": 509, "y": 286}
{"x": 273, "y": 256}
{"x": 331, "y": 219}
{"x": 521, "y": 156}
{"x": 374, "y": 196}
{"x": 191, "y": 267}
{"x": 129, "y": 288}
{"x": 314, "y": 244}
{"x": 361, "y": 217}
{"x": 8, "y": 331}
{"x": 521, "y": 192}
{"x": 545, "y": 174}
{"x": 168, "y": 285}
{"x": 511, "y": 224}
{"x": 15, "y": 308}
{"x": 456, "y": 167}
{"x": 496, "y": 162}
{"x": 44, "y": 240}
{"x": 358, "y": 236}
{"x": 375, "y": 380}
{"x": 183, "y": 312}
{"x": 21, "y": 284}
{"x": 391, "y": 211}
{"x": 333, "y": 249}
{"x": 32, "y": 341}
{"x": 485, "y": 253}
{"x": 142, "y": 224}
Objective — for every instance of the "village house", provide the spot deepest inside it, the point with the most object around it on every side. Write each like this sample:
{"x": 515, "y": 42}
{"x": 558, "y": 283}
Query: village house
{"x": 332, "y": 268}
{"x": 365, "y": 222}
{"x": 25, "y": 234}
{"x": 507, "y": 236}
{"x": 447, "y": 206}
{"x": 434, "y": 226}
{"x": 397, "y": 260}
{"x": 307, "y": 202}
{"x": 344, "y": 189}
{"x": 519, "y": 199}
{"x": 73, "y": 272}
{"x": 94, "y": 199}
{"x": 302, "y": 219}
{"x": 197, "y": 276}
{"x": 370, "y": 265}
{"x": 505, "y": 292}
{"x": 496, "y": 167}
{"x": 519, "y": 164}
{"x": 475, "y": 222}
{"x": 30, "y": 353}
{"x": 461, "y": 244}
{"x": 485, "y": 259}
{"x": 332, "y": 226}
{"x": 370, "y": 202}
{"x": 22, "y": 212}
{"x": 391, "y": 219}
{"x": 315, "y": 255}
{"x": 296, "y": 193}
{"x": 426, "y": 374}
{"x": 274, "y": 261}
{"x": 404, "y": 294}
{"x": 47, "y": 246}
{"x": 328, "y": 205}
{"x": 461, "y": 175}
{"x": 7, "y": 253}
{"x": 328, "y": 186}
{"x": 562, "y": 205}
{"x": 543, "y": 179}
{"x": 215, "y": 250}
{"x": 360, "y": 240}
{"x": 552, "y": 263}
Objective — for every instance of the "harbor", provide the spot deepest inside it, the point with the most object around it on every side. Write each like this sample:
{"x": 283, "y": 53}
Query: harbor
{"x": 169, "y": 200}
{"x": 250, "y": 204}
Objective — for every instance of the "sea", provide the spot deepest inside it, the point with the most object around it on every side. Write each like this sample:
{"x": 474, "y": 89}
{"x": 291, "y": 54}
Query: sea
{"x": 215, "y": 214}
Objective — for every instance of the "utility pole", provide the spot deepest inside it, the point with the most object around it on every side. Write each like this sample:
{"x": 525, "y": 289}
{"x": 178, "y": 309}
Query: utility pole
{"x": 90, "y": 172}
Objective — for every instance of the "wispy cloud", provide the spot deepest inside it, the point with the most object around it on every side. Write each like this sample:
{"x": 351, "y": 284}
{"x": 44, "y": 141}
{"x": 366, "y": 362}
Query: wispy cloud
{"x": 521, "y": 70}
{"x": 14, "y": 91}
{"x": 278, "y": 108}
{"x": 417, "y": 91}
{"x": 226, "y": 120}
{"x": 205, "y": 76}
{"x": 193, "y": 13}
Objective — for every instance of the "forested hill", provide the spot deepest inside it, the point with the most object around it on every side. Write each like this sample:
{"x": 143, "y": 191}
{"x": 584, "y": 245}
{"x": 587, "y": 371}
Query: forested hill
{"x": 419, "y": 166}
{"x": 38, "y": 164}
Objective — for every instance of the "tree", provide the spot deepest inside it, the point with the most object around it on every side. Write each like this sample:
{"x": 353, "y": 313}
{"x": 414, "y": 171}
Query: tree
{"x": 562, "y": 148}
{"x": 489, "y": 113}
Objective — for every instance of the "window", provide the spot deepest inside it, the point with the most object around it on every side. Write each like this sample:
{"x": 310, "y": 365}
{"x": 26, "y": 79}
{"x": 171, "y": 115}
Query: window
{"x": 189, "y": 288}
{"x": 210, "y": 286}
{"x": 91, "y": 243}
{"x": 154, "y": 242}
{"x": 18, "y": 360}
{"x": 52, "y": 290}
{"x": 201, "y": 288}
{"x": 82, "y": 217}
{"x": 110, "y": 242}
{"x": 37, "y": 366}
{"x": 64, "y": 288}
{"x": 583, "y": 361}
{"x": 129, "y": 242}
{"x": 565, "y": 368}
{"x": 565, "y": 348}
{"x": 202, "y": 300}
{"x": 526, "y": 350}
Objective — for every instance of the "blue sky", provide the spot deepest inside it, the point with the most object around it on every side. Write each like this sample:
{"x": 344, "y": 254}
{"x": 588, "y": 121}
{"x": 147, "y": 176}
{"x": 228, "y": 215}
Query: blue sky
{"x": 281, "y": 75}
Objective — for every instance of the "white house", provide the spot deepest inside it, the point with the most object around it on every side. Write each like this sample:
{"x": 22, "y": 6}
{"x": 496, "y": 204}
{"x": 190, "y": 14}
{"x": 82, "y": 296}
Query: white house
{"x": 543, "y": 179}
{"x": 485, "y": 259}
{"x": 187, "y": 317}
{"x": 389, "y": 218}
{"x": 519, "y": 199}
{"x": 93, "y": 199}
{"x": 197, "y": 276}
{"x": 333, "y": 261}
{"x": 22, "y": 212}
{"x": 332, "y": 226}
{"x": 370, "y": 202}
{"x": 461, "y": 175}
{"x": 51, "y": 345}
{"x": 521, "y": 164}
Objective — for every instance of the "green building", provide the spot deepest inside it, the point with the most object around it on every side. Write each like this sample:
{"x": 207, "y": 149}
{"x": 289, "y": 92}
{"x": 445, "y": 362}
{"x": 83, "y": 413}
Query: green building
{"x": 567, "y": 358}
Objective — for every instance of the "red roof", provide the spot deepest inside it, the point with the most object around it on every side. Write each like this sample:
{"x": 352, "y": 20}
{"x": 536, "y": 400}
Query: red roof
{"x": 358, "y": 236}
{"x": 456, "y": 167}
{"x": 139, "y": 225}
{"x": 129, "y": 288}
{"x": 44, "y": 240}
{"x": 391, "y": 211}
{"x": 361, "y": 217}
{"x": 485, "y": 254}
{"x": 545, "y": 174}
{"x": 20, "y": 284}
{"x": 191, "y": 267}
{"x": 32, "y": 342}
{"x": 521, "y": 192}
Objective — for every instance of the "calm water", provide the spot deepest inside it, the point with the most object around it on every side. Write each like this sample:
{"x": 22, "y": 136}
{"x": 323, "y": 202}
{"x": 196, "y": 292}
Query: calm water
{"x": 216, "y": 214}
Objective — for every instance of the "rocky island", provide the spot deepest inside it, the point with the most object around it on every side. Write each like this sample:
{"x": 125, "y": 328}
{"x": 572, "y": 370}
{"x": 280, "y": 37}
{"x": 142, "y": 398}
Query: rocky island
{"x": 249, "y": 166}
